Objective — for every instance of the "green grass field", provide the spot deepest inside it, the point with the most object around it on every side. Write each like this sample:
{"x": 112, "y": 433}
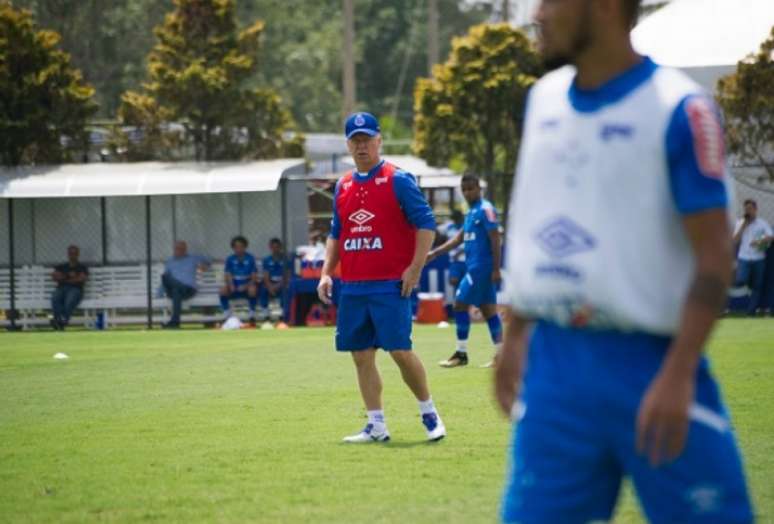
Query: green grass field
{"x": 245, "y": 426}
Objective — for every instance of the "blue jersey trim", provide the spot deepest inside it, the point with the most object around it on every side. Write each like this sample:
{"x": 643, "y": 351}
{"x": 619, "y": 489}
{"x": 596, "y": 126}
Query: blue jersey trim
{"x": 692, "y": 190}
{"x": 590, "y": 100}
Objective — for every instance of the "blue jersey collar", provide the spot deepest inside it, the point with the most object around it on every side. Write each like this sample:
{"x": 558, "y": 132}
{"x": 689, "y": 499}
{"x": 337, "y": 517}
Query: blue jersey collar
{"x": 359, "y": 177}
{"x": 590, "y": 100}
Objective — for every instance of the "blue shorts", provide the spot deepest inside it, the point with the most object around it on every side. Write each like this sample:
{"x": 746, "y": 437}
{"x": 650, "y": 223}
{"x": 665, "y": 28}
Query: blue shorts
{"x": 457, "y": 270}
{"x": 380, "y": 320}
{"x": 576, "y": 437}
{"x": 476, "y": 289}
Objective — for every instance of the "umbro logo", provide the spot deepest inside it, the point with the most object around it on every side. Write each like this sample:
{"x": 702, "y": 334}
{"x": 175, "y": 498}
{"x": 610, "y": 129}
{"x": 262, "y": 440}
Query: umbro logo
{"x": 361, "y": 216}
{"x": 380, "y": 180}
{"x": 561, "y": 237}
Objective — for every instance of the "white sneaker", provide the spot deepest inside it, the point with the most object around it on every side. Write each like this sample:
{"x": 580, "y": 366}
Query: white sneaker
{"x": 434, "y": 425}
{"x": 368, "y": 435}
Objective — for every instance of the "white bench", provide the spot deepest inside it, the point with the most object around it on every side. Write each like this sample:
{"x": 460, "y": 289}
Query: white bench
{"x": 118, "y": 291}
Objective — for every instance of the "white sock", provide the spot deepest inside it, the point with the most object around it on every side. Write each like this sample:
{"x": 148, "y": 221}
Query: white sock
{"x": 426, "y": 406}
{"x": 462, "y": 346}
{"x": 498, "y": 347}
{"x": 376, "y": 417}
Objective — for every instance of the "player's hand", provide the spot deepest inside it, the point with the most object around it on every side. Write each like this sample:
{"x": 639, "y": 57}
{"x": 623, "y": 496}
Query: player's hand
{"x": 431, "y": 256}
{"x": 325, "y": 290}
{"x": 507, "y": 376}
{"x": 662, "y": 421}
{"x": 496, "y": 276}
{"x": 409, "y": 280}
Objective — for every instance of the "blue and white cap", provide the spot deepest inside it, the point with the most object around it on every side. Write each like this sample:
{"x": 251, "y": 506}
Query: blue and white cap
{"x": 361, "y": 123}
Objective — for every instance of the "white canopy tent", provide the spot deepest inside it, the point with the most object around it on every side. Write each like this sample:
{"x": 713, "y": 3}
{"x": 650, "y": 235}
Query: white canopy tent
{"x": 705, "y": 38}
{"x": 146, "y": 178}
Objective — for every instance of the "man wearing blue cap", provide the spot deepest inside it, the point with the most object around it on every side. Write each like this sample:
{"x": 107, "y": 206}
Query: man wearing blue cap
{"x": 382, "y": 230}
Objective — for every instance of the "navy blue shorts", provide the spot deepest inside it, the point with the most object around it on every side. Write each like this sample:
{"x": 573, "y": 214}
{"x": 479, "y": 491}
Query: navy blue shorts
{"x": 476, "y": 289}
{"x": 576, "y": 439}
{"x": 381, "y": 320}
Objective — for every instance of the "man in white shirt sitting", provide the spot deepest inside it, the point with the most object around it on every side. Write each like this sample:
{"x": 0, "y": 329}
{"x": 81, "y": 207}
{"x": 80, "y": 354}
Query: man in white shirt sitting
{"x": 753, "y": 236}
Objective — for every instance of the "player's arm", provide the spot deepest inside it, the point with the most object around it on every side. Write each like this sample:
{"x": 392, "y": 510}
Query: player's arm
{"x": 663, "y": 419}
{"x": 697, "y": 167}
{"x": 496, "y": 245}
{"x": 228, "y": 277}
{"x": 325, "y": 287}
{"x": 422, "y": 246}
{"x": 420, "y": 215}
{"x": 447, "y": 246}
{"x": 509, "y": 362}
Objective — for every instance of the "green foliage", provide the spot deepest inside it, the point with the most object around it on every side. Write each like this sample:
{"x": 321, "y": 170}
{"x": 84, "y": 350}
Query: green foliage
{"x": 472, "y": 109}
{"x": 747, "y": 99}
{"x": 45, "y": 101}
{"x": 107, "y": 39}
{"x": 198, "y": 76}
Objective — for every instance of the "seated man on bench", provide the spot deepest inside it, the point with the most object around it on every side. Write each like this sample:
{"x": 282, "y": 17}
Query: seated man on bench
{"x": 276, "y": 273}
{"x": 179, "y": 279}
{"x": 70, "y": 278}
{"x": 241, "y": 279}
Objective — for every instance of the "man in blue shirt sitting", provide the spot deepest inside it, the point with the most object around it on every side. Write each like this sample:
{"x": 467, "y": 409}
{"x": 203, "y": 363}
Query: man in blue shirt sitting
{"x": 179, "y": 279}
{"x": 276, "y": 272}
{"x": 241, "y": 278}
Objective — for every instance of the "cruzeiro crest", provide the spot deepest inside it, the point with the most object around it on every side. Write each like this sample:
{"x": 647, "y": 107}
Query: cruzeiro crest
{"x": 359, "y": 120}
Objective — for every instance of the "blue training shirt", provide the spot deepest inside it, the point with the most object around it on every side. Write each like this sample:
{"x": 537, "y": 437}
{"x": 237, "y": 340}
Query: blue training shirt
{"x": 242, "y": 269}
{"x": 275, "y": 267}
{"x": 415, "y": 208}
{"x": 479, "y": 222}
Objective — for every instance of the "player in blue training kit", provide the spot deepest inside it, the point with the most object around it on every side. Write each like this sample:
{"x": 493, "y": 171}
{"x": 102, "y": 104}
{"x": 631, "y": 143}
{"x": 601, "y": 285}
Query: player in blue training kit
{"x": 619, "y": 260}
{"x": 240, "y": 275}
{"x": 478, "y": 287}
{"x": 276, "y": 271}
{"x": 457, "y": 267}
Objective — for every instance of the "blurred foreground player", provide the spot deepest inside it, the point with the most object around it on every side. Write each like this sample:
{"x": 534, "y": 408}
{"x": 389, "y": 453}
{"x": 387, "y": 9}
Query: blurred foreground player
{"x": 619, "y": 247}
{"x": 382, "y": 230}
{"x": 478, "y": 287}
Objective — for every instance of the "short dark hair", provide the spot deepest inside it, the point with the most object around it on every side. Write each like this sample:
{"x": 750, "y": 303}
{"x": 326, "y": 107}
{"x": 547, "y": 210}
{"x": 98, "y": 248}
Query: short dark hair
{"x": 275, "y": 240}
{"x": 470, "y": 177}
{"x": 239, "y": 238}
{"x": 631, "y": 10}
{"x": 752, "y": 202}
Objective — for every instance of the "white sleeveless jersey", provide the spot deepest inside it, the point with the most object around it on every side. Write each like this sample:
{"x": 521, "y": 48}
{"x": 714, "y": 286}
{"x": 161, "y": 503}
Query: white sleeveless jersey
{"x": 595, "y": 235}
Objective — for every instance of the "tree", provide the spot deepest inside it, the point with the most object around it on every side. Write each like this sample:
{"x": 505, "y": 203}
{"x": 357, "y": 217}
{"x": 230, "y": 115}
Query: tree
{"x": 108, "y": 40}
{"x": 44, "y": 101}
{"x": 747, "y": 100}
{"x": 199, "y": 72}
{"x": 471, "y": 111}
